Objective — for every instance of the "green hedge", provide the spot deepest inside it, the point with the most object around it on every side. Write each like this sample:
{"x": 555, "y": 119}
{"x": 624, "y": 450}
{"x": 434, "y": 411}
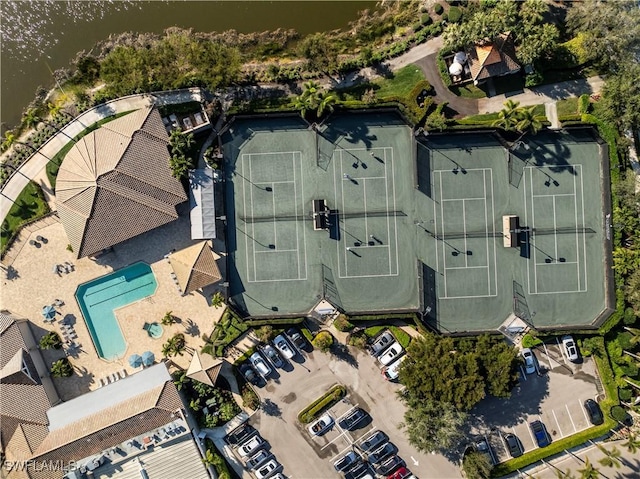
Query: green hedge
{"x": 307, "y": 334}
{"x": 328, "y": 399}
{"x": 373, "y": 331}
{"x": 426, "y": 19}
{"x": 243, "y": 357}
{"x": 438, "y": 9}
{"x": 382, "y": 317}
{"x": 401, "y": 336}
{"x": 273, "y": 322}
{"x": 529, "y": 341}
{"x": 442, "y": 69}
{"x": 454, "y": 15}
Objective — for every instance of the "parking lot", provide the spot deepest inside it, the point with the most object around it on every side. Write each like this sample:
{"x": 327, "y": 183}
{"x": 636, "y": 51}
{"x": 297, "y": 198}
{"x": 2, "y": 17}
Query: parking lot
{"x": 554, "y": 396}
{"x": 308, "y": 377}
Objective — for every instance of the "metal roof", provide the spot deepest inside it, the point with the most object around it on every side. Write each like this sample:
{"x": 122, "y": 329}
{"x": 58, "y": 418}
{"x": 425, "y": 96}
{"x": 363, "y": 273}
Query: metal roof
{"x": 202, "y": 204}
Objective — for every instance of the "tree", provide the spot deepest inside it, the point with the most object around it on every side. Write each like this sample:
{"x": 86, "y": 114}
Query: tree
{"x": 217, "y": 300}
{"x": 61, "y": 368}
{"x": 325, "y": 103}
{"x": 174, "y": 346}
{"x": 527, "y": 121}
{"x": 31, "y": 118}
{"x": 633, "y": 443}
{"x": 476, "y": 465}
{"x": 209, "y": 458}
{"x": 589, "y": 471}
{"x": 195, "y": 404}
{"x": 432, "y": 425}
{"x": 320, "y": 53}
{"x": 9, "y": 139}
{"x": 499, "y": 362}
{"x": 611, "y": 458}
{"x": 168, "y": 319}
{"x": 539, "y": 39}
{"x": 323, "y": 341}
{"x": 621, "y": 97}
{"x": 181, "y": 380}
{"x": 507, "y": 117}
{"x": 436, "y": 119}
{"x": 265, "y": 333}
{"x": 50, "y": 340}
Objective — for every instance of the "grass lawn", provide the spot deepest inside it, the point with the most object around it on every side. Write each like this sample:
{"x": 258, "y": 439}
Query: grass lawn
{"x": 54, "y": 165}
{"x": 401, "y": 84}
{"x": 468, "y": 91}
{"x": 567, "y": 107}
{"x": 29, "y": 205}
{"x": 488, "y": 118}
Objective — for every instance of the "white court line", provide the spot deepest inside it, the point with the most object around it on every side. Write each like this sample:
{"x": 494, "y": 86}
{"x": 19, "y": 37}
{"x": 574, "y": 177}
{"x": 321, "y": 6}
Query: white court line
{"x": 572, "y": 423}
{"x": 346, "y": 266}
{"x": 272, "y": 182}
{"x": 464, "y": 231}
{"x": 386, "y": 190}
{"x": 271, "y": 251}
{"x": 555, "y": 228}
{"x": 253, "y": 226}
{"x": 395, "y": 217}
{"x": 465, "y": 297}
{"x": 557, "y": 194}
{"x": 467, "y": 267}
{"x": 366, "y": 246}
{"x": 464, "y": 199}
{"x": 363, "y": 177}
{"x": 486, "y": 227}
{"x": 584, "y": 236}
{"x": 533, "y": 223}
{"x": 577, "y": 237}
{"x": 275, "y": 226}
{"x": 556, "y": 263}
{"x": 557, "y": 423}
{"x": 444, "y": 253}
{"x": 364, "y": 205}
{"x": 435, "y": 230}
{"x": 244, "y": 206}
{"x": 295, "y": 209}
{"x": 292, "y": 152}
{"x": 304, "y": 229}
{"x": 493, "y": 230}
{"x": 524, "y": 189}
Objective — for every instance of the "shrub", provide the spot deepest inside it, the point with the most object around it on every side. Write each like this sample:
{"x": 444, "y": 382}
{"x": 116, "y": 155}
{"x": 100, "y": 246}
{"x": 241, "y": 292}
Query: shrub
{"x": 629, "y": 317}
{"x": 373, "y": 331}
{"x": 529, "y": 341}
{"x": 533, "y": 79}
{"x": 443, "y": 70}
{"x": 265, "y": 333}
{"x": 444, "y": 17}
{"x": 618, "y": 413}
{"x": 50, "y": 340}
{"x": 69, "y": 248}
{"x": 417, "y": 27}
{"x": 323, "y": 341}
{"x": 625, "y": 394}
{"x": 328, "y": 399}
{"x": 358, "y": 341}
{"x": 426, "y": 19}
{"x": 438, "y": 9}
{"x": 402, "y": 337}
{"x": 584, "y": 104}
{"x": 342, "y": 323}
{"x": 455, "y": 14}
{"x": 61, "y": 368}
{"x": 249, "y": 398}
{"x": 307, "y": 334}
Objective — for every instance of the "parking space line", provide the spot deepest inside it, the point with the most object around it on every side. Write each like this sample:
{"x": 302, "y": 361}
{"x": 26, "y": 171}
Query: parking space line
{"x": 523, "y": 373}
{"x": 557, "y": 423}
{"x": 547, "y": 354}
{"x": 572, "y": 423}
{"x": 583, "y": 411}
{"x": 561, "y": 351}
{"x": 533, "y": 439}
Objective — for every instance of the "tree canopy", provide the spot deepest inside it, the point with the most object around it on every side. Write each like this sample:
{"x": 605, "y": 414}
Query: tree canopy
{"x": 320, "y": 52}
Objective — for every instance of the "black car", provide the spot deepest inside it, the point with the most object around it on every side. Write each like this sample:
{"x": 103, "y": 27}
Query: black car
{"x": 381, "y": 453}
{"x": 249, "y": 374}
{"x": 513, "y": 445}
{"x": 359, "y": 471}
{"x": 353, "y": 418}
{"x": 239, "y": 434}
{"x": 297, "y": 339}
{"x": 389, "y": 465}
{"x": 594, "y": 412}
{"x": 347, "y": 461}
{"x": 371, "y": 442}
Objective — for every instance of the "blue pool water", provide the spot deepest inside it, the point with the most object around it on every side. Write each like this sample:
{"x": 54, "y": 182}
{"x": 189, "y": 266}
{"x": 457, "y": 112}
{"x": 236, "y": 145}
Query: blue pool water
{"x": 98, "y": 298}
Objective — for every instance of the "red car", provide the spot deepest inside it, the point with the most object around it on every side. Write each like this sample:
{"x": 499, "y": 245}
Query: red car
{"x": 402, "y": 473}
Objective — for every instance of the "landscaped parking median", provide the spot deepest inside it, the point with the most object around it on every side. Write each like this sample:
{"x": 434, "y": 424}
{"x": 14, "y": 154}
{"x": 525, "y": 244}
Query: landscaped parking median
{"x": 328, "y": 399}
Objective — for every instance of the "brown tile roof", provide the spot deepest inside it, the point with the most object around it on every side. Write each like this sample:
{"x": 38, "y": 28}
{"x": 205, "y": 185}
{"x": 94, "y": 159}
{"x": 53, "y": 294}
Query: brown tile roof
{"x": 115, "y": 183}
{"x": 493, "y": 59}
{"x": 204, "y": 368}
{"x": 195, "y": 267}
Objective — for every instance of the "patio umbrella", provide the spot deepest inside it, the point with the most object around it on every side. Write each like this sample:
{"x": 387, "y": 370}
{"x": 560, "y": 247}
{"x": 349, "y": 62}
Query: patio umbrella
{"x": 49, "y": 312}
{"x": 135, "y": 360}
{"x": 148, "y": 358}
{"x": 455, "y": 68}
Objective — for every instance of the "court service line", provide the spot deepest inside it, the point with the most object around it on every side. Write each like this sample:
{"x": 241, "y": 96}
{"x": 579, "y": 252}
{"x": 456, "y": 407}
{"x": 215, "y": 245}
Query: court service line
{"x": 577, "y": 237}
{"x": 304, "y": 229}
{"x": 464, "y": 199}
{"x": 524, "y": 184}
{"x": 386, "y": 191}
{"x": 295, "y": 209}
{"x": 346, "y": 266}
{"x": 244, "y": 206}
{"x": 486, "y": 226}
{"x": 395, "y": 217}
{"x": 465, "y": 297}
{"x": 292, "y": 152}
{"x": 556, "y": 263}
{"x": 335, "y": 202}
{"x": 435, "y": 230}
{"x": 555, "y": 229}
{"x": 493, "y": 229}
{"x": 533, "y": 223}
{"x": 272, "y": 182}
{"x": 364, "y": 205}
{"x": 444, "y": 253}
{"x": 464, "y": 231}
{"x": 253, "y": 227}
{"x": 464, "y": 267}
{"x": 557, "y": 194}
{"x": 584, "y": 236}
{"x": 275, "y": 225}
{"x": 272, "y": 251}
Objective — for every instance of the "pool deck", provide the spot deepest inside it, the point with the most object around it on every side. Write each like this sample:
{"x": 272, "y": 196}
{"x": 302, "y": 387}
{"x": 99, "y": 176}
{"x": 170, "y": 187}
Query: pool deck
{"x": 35, "y": 286}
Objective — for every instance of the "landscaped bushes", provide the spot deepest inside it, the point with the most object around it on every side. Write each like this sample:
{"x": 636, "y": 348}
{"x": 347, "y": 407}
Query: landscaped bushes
{"x": 228, "y": 329}
{"x": 438, "y": 9}
{"x": 426, "y": 19}
{"x": 313, "y": 410}
{"x": 454, "y": 15}
{"x": 323, "y": 341}
{"x": 584, "y": 104}
{"x": 341, "y": 323}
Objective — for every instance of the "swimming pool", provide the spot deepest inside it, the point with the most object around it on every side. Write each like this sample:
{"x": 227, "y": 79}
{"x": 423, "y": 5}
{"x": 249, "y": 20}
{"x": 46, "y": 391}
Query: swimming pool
{"x": 99, "y": 298}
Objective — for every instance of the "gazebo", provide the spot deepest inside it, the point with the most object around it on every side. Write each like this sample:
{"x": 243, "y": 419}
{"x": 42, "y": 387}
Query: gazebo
{"x": 195, "y": 267}
{"x": 205, "y": 368}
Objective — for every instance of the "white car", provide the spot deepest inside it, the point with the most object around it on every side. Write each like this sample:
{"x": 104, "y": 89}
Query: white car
{"x": 570, "y": 348}
{"x": 267, "y": 469}
{"x": 254, "y": 461}
{"x": 273, "y": 356}
{"x": 320, "y": 426}
{"x": 390, "y": 354}
{"x": 260, "y": 365}
{"x": 391, "y": 372}
{"x": 251, "y": 446}
{"x": 529, "y": 361}
{"x": 283, "y": 346}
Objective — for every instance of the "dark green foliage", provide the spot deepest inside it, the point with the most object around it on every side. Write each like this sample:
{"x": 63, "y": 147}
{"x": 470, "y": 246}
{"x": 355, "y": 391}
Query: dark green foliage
{"x": 61, "y": 368}
{"x": 426, "y": 19}
{"x": 226, "y": 331}
{"x": 625, "y": 394}
{"x": 454, "y": 15}
{"x": 584, "y": 104}
{"x": 629, "y": 317}
{"x": 438, "y": 9}
{"x": 266, "y": 333}
{"x": 529, "y": 341}
{"x": 618, "y": 413}
{"x": 341, "y": 323}
{"x": 323, "y": 341}
{"x": 402, "y": 337}
{"x": 249, "y": 398}
{"x": 476, "y": 466}
{"x": 328, "y": 399}
{"x": 51, "y": 340}
{"x": 320, "y": 52}
{"x": 358, "y": 341}
{"x": 282, "y": 322}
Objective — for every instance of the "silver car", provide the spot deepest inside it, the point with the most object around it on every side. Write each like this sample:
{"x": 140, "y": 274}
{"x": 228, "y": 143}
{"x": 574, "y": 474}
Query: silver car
{"x": 529, "y": 361}
{"x": 283, "y": 346}
{"x": 260, "y": 365}
{"x": 570, "y": 348}
{"x": 390, "y": 354}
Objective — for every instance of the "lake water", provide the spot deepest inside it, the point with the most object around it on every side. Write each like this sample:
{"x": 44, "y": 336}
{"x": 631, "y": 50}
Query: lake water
{"x": 41, "y": 36}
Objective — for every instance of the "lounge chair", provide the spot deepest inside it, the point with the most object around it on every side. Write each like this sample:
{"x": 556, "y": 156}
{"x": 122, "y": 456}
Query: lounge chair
{"x": 58, "y": 302}
{"x": 103, "y": 382}
{"x": 114, "y": 377}
{"x": 123, "y": 374}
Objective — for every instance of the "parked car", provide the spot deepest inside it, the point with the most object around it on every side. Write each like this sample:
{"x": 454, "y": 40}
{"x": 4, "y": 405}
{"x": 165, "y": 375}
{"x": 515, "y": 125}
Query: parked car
{"x": 382, "y": 342}
{"x": 381, "y": 453}
{"x": 390, "y": 354}
{"x": 373, "y": 441}
{"x": 540, "y": 433}
{"x": 273, "y": 356}
{"x": 594, "y": 412}
{"x": 346, "y": 462}
{"x": 570, "y": 348}
{"x": 402, "y": 473}
{"x": 513, "y": 445}
{"x": 359, "y": 471}
{"x": 260, "y": 365}
{"x": 481, "y": 446}
{"x": 249, "y": 373}
{"x": 391, "y": 371}
{"x": 322, "y": 425}
{"x": 353, "y": 418}
{"x": 241, "y": 433}
{"x": 257, "y": 459}
{"x": 251, "y": 446}
{"x": 529, "y": 361}
{"x": 282, "y": 345}
{"x": 267, "y": 469}
{"x": 389, "y": 465}
{"x": 297, "y": 339}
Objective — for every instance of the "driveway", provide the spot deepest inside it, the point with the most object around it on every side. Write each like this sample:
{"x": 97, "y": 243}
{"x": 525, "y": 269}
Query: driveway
{"x": 304, "y": 456}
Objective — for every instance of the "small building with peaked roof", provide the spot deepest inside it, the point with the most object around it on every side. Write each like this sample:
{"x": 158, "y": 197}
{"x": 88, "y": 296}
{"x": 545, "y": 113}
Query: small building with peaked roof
{"x": 205, "y": 368}
{"x": 115, "y": 183}
{"x": 195, "y": 267}
{"x": 493, "y": 59}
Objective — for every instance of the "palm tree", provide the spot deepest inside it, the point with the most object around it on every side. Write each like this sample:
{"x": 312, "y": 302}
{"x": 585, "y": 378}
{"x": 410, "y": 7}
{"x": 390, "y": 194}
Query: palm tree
{"x": 564, "y": 474}
{"x": 217, "y": 300}
{"x": 168, "y": 318}
{"x": 174, "y": 346}
{"x": 9, "y": 139}
{"x": 326, "y": 101}
{"x": 611, "y": 458}
{"x": 527, "y": 121}
{"x": 181, "y": 380}
{"x": 30, "y": 118}
{"x": 589, "y": 472}
{"x": 633, "y": 443}
{"x": 209, "y": 458}
{"x": 50, "y": 340}
{"x": 195, "y": 404}
{"x": 61, "y": 368}
{"x": 507, "y": 117}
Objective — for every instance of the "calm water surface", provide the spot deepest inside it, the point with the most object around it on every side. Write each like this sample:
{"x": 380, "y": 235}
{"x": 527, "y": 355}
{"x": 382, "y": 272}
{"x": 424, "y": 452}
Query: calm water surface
{"x": 40, "y": 36}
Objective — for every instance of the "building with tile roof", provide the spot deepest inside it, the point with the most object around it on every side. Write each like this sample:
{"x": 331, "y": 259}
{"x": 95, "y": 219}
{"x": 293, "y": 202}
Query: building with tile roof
{"x": 195, "y": 267}
{"x": 26, "y": 390}
{"x": 205, "y": 368}
{"x": 494, "y": 59}
{"x": 115, "y": 183}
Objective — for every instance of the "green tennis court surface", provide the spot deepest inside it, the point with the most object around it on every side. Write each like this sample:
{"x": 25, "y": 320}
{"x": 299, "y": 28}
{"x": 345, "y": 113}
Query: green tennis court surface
{"x": 413, "y": 225}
